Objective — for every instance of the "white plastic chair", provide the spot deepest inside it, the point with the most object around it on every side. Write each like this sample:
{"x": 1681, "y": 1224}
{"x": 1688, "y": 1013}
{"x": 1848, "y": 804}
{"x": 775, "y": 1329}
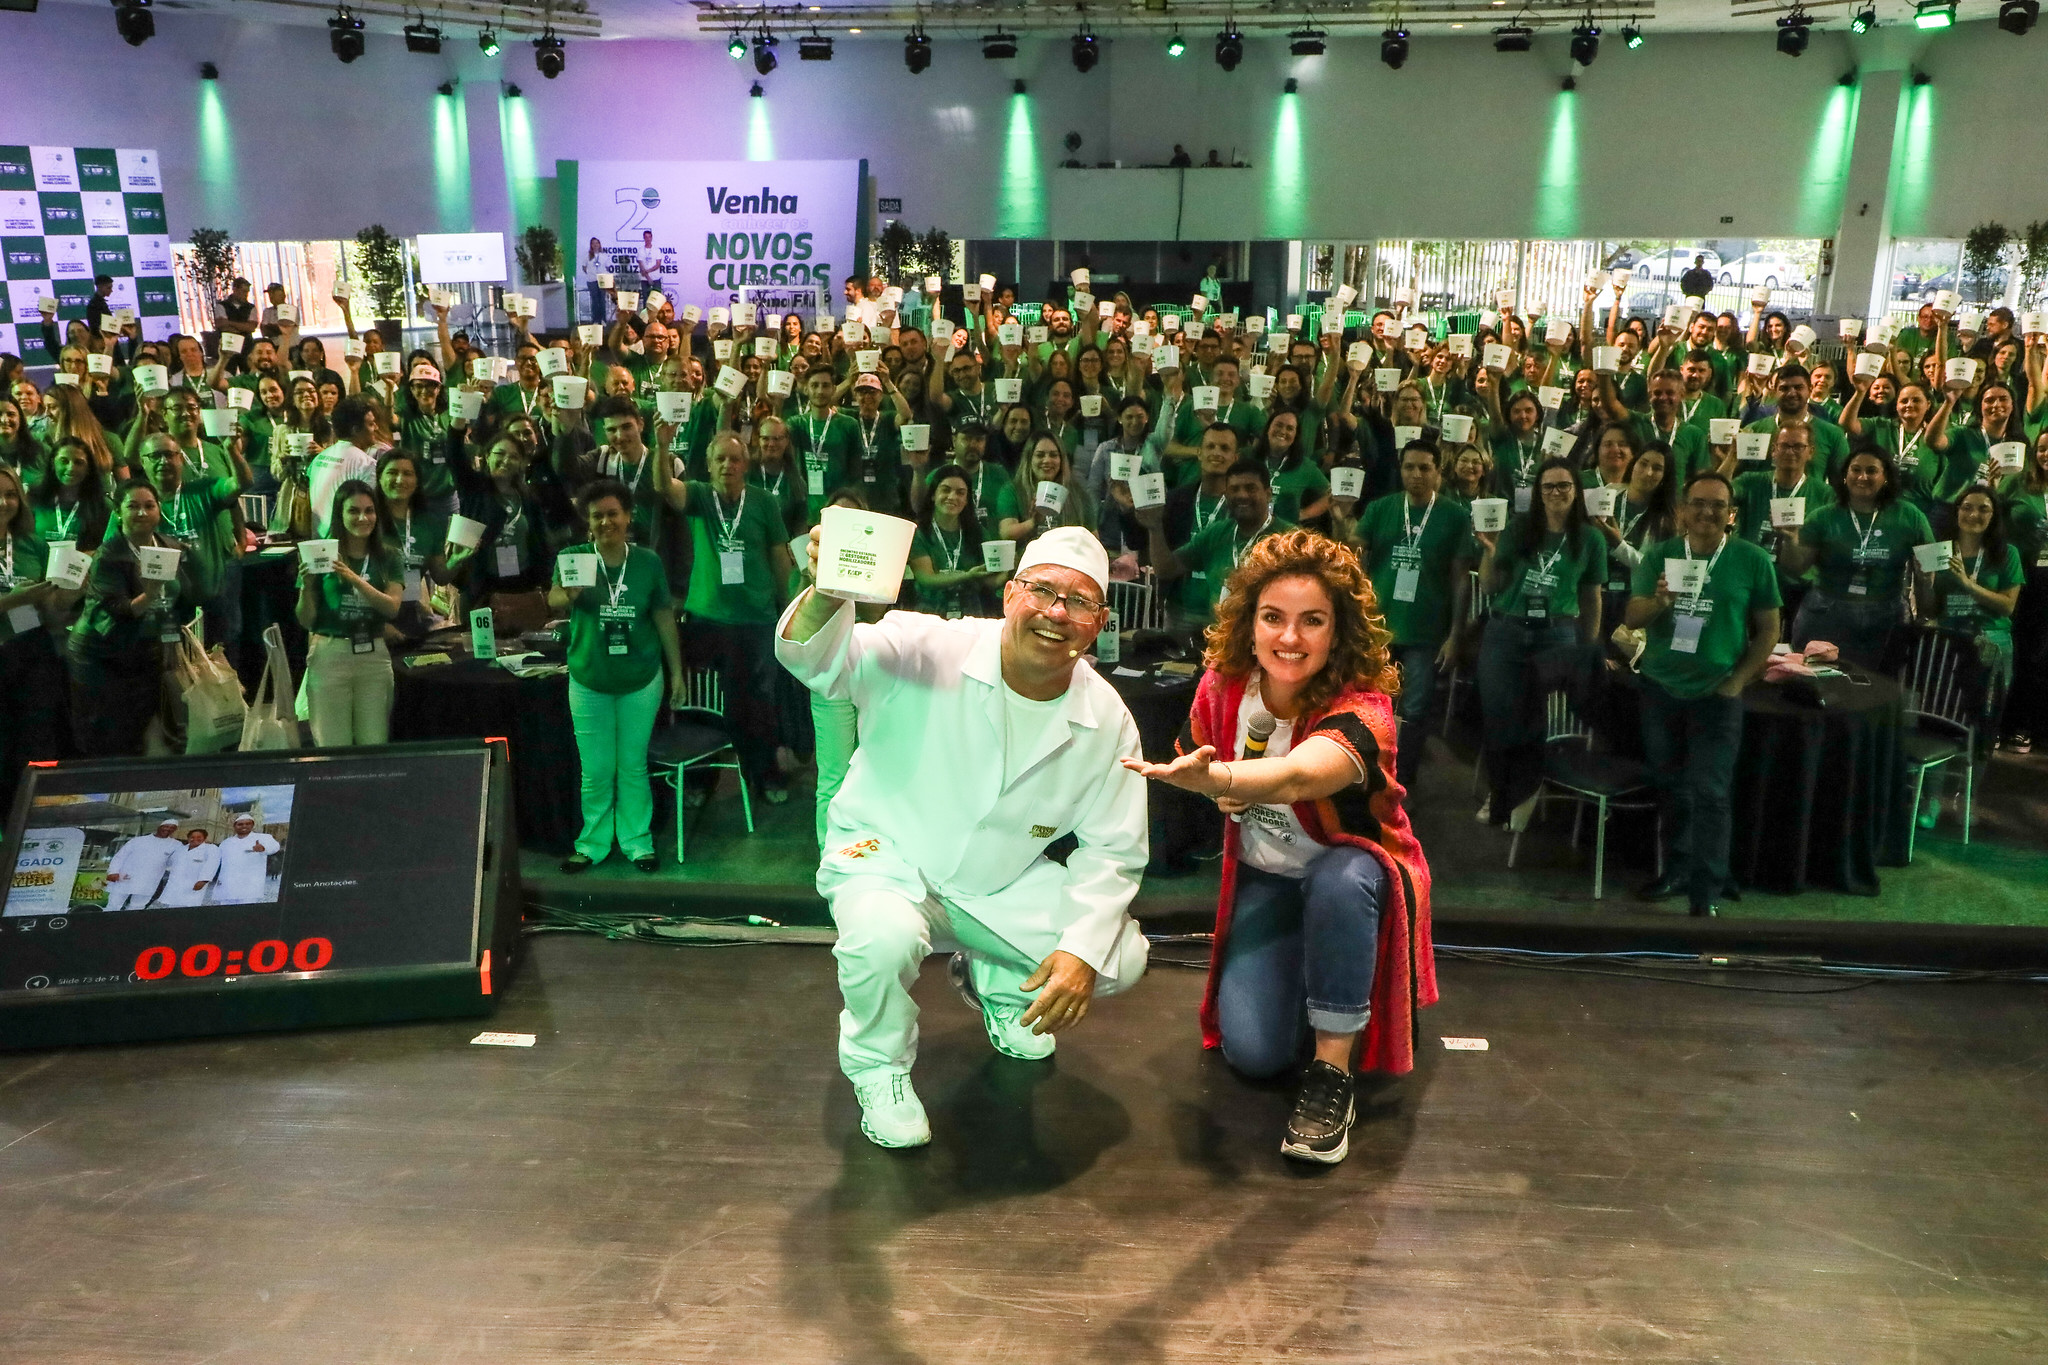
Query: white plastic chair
{"x": 1574, "y": 772}
{"x": 697, "y": 739}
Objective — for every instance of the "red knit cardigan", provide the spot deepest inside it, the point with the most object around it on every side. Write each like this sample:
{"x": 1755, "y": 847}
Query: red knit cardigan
{"x": 1368, "y": 816}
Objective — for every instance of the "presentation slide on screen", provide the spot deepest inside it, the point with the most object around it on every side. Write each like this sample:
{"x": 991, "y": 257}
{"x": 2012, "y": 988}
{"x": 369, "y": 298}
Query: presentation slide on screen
{"x": 779, "y": 234}
{"x": 256, "y": 867}
{"x": 68, "y": 214}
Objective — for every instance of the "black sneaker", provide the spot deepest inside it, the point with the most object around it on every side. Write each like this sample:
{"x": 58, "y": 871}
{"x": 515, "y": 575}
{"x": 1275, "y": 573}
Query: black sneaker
{"x": 1320, "y": 1127}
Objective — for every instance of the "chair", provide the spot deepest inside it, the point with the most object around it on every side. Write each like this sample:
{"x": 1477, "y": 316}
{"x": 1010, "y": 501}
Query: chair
{"x": 1477, "y": 606}
{"x": 1573, "y": 771}
{"x": 696, "y": 738}
{"x": 1136, "y": 602}
{"x": 1941, "y": 680}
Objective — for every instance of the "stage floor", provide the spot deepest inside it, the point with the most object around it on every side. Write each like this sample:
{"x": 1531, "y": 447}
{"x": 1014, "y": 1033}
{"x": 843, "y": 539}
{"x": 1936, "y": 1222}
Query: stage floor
{"x": 1635, "y": 1171}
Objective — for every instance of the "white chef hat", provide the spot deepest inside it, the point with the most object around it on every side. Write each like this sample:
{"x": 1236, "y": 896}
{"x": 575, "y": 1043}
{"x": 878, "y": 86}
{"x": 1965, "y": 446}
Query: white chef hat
{"x": 1069, "y": 547}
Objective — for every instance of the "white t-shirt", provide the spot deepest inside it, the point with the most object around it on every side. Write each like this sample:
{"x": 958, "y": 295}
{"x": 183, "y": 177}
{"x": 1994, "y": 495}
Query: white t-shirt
{"x": 1024, "y": 721}
{"x": 1270, "y": 837}
{"x": 329, "y": 470}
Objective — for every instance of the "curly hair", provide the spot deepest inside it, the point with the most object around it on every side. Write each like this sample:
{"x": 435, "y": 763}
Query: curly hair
{"x": 1360, "y": 647}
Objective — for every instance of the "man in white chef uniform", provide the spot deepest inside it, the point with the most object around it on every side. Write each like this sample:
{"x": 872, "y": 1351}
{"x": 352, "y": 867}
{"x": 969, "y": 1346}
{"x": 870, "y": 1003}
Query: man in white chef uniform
{"x": 981, "y": 742}
{"x": 191, "y": 872}
{"x": 137, "y": 867}
{"x": 244, "y": 865}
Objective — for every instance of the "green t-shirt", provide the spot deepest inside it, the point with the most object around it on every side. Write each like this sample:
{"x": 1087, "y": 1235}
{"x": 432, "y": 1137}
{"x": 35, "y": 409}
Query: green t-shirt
{"x": 995, "y": 498}
{"x": 949, "y": 553}
{"x": 1865, "y": 558}
{"x": 1210, "y": 555}
{"x": 2026, "y": 513}
{"x": 876, "y": 464}
{"x": 1965, "y": 614}
{"x": 1296, "y": 488}
{"x": 1753, "y": 494}
{"x": 1545, "y": 585}
{"x": 191, "y": 515}
{"x": 614, "y": 646}
{"x": 417, "y": 539}
{"x": 1690, "y": 452}
{"x": 1830, "y": 444}
{"x": 1921, "y": 468}
{"x": 426, "y": 435}
{"x": 740, "y": 590}
{"x": 828, "y": 451}
{"x": 340, "y": 610}
{"x": 1412, "y": 555}
{"x": 1699, "y": 411}
{"x": 1515, "y": 462}
{"x": 23, "y": 560}
{"x": 1692, "y": 661}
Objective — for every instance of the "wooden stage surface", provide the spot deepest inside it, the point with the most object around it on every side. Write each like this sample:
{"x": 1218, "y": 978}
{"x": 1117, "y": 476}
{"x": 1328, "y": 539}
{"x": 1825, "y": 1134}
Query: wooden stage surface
{"x": 1635, "y": 1171}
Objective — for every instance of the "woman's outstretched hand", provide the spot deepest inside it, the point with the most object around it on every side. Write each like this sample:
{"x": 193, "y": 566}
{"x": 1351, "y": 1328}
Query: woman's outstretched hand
{"x": 1190, "y": 772}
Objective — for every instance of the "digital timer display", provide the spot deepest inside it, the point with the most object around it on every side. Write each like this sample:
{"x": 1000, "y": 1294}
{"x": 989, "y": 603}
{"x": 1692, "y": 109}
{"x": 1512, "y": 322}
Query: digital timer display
{"x": 205, "y": 959}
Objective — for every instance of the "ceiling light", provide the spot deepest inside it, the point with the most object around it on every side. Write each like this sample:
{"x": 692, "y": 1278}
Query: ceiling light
{"x": 1229, "y": 47}
{"x": 548, "y": 56}
{"x": 736, "y": 47}
{"x": 134, "y": 22}
{"x": 765, "y": 44}
{"x": 813, "y": 47}
{"x": 1086, "y": 54}
{"x": 1394, "y": 47}
{"x": 422, "y": 37}
{"x": 1308, "y": 41}
{"x": 999, "y": 46}
{"x": 1865, "y": 20}
{"x": 208, "y": 71}
{"x": 917, "y": 50}
{"x": 2017, "y": 17}
{"x": 1631, "y": 37}
{"x": 513, "y": 92}
{"x": 756, "y": 91}
{"x": 1176, "y": 44}
{"x": 345, "y": 35}
{"x": 1934, "y": 13}
{"x": 1513, "y": 38}
{"x": 1586, "y": 43}
{"x": 488, "y": 41}
{"x": 1793, "y": 32}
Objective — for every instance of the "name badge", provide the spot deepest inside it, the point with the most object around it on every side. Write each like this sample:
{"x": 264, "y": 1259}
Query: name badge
{"x": 360, "y": 643}
{"x": 508, "y": 561}
{"x": 814, "y": 480}
{"x": 1522, "y": 496}
{"x": 1685, "y": 633}
{"x": 23, "y": 620}
{"x": 1404, "y": 584}
{"x": 415, "y": 586}
{"x": 732, "y": 567}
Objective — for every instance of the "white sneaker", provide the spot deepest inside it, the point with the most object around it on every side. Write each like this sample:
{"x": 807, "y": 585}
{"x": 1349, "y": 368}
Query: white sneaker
{"x": 891, "y": 1115}
{"x": 1518, "y": 818}
{"x": 1484, "y": 815}
{"x": 1005, "y": 1033}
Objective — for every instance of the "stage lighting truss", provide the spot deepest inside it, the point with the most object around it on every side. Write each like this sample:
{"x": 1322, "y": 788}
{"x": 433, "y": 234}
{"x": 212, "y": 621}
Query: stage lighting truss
{"x": 1794, "y": 31}
{"x": 999, "y": 46}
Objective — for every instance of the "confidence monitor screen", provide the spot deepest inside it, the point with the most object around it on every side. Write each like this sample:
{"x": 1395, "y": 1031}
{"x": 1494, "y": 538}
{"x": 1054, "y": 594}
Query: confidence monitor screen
{"x": 145, "y": 875}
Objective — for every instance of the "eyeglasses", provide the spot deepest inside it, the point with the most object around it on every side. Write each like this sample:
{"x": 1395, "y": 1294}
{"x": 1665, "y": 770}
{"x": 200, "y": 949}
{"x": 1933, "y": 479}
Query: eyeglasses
{"x": 1550, "y": 488}
{"x": 1084, "y": 611}
{"x": 1698, "y": 506}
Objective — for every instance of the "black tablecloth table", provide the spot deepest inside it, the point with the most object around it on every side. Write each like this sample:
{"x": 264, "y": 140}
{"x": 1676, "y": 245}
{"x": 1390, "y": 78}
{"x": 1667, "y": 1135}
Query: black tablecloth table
{"x": 471, "y": 698}
{"x": 1821, "y": 794}
{"x": 1182, "y": 824}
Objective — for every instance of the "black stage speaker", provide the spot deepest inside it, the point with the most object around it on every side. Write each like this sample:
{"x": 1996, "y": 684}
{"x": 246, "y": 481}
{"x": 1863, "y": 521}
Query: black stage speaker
{"x": 162, "y": 898}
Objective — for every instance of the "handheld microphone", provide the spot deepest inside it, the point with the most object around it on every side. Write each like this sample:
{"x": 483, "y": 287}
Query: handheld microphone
{"x": 1257, "y": 731}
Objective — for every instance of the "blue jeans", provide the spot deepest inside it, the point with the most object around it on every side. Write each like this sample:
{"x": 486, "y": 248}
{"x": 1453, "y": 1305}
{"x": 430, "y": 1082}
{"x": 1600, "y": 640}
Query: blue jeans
{"x": 1692, "y": 746}
{"x": 1300, "y": 956}
{"x": 597, "y": 303}
{"x": 1511, "y": 701}
{"x": 1418, "y": 690}
{"x": 1859, "y": 627}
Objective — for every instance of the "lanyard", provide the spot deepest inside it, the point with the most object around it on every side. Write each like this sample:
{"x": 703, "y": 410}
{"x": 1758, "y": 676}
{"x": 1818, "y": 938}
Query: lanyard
{"x": 1864, "y": 532}
{"x": 815, "y": 456}
{"x": 1522, "y": 461}
{"x": 1627, "y": 522}
{"x": 774, "y": 490}
{"x": 951, "y": 552}
{"x": 728, "y": 530}
{"x": 1706, "y": 577}
{"x": 1544, "y": 566}
{"x": 178, "y": 517}
{"x": 67, "y": 524}
{"x": 1690, "y": 408}
{"x": 1201, "y": 521}
{"x": 1237, "y": 551}
{"x": 515, "y": 515}
{"x": 978, "y": 411}
{"x": 1906, "y": 447}
{"x": 614, "y": 589}
{"x": 407, "y": 552}
{"x": 867, "y": 435}
{"x": 7, "y": 564}
{"x": 618, "y": 462}
{"x": 1414, "y": 533}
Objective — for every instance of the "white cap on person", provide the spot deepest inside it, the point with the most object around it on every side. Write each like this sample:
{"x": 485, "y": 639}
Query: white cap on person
{"x": 1070, "y": 547}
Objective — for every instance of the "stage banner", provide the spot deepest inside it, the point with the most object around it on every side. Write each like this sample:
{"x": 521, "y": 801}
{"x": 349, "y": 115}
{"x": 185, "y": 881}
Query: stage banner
{"x": 780, "y": 234}
{"x": 68, "y": 214}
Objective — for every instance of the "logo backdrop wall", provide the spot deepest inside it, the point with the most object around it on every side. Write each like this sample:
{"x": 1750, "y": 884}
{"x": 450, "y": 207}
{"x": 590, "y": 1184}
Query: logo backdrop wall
{"x": 780, "y": 234}
{"x": 68, "y": 214}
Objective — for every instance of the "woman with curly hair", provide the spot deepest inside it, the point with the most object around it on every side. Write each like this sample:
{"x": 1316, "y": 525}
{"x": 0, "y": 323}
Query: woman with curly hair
{"x": 1322, "y": 928}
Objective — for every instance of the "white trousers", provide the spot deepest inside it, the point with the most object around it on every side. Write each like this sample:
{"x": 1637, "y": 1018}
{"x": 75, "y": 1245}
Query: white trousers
{"x": 884, "y": 938}
{"x": 348, "y": 695}
{"x": 129, "y": 894}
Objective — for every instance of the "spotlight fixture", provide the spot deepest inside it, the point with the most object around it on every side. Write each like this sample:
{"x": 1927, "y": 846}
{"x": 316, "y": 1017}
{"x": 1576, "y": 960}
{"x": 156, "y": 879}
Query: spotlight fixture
{"x": 1847, "y": 80}
{"x": 513, "y": 92}
{"x": 999, "y": 46}
{"x": 1921, "y": 78}
{"x": 548, "y": 56}
{"x": 445, "y": 88}
{"x": 345, "y": 35}
{"x": 1586, "y": 42}
{"x": 134, "y": 22}
{"x": 422, "y": 37}
{"x": 1571, "y": 83}
{"x": 1229, "y": 46}
{"x": 1017, "y": 86}
{"x": 2017, "y": 17}
{"x": 757, "y": 92}
{"x": 487, "y": 41}
{"x": 765, "y": 44}
{"x": 1086, "y": 53}
{"x": 1865, "y": 20}
{"x": 1176, "y": 44}
{"x": 208, "y": 71}
{"x": 1513, "y": 38}
{"x": 1631, "y": 37}
{"x": 1394, "y": 47}
{"x": 1307, "y": 41}
{"x": 1934, "y": 13}
{"x": 813, "y": 47}
{"x": 1794, "y": 32}
{"x": 736, "y": 47}
{"x": 917, "y": 50}
{"x": 1293, "y": 86}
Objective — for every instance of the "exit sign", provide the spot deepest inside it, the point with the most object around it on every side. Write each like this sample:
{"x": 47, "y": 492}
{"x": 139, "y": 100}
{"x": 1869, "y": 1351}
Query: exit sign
{"x": 889, "y": 206}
